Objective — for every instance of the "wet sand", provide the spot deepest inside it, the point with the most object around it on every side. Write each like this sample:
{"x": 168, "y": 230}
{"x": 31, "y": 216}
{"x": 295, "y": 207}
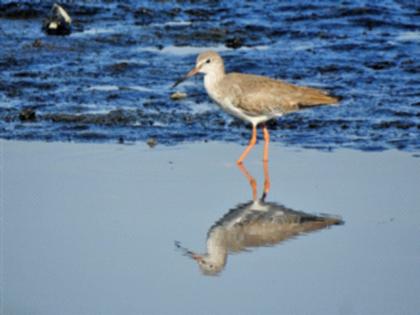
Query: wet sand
{"x": 90, "y": 229}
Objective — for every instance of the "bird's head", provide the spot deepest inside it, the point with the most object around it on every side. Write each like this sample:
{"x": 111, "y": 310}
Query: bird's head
{"x": 208, "y": 266}
{"x": 207, "y": 62}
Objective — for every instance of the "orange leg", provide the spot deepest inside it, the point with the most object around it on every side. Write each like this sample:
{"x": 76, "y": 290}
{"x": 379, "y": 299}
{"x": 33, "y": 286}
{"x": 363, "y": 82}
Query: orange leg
{"x": 250, "y": 145}
{"x": 266, "y": 143}
{"x": 267, "y": 182}
{"x": 251, "y": 180}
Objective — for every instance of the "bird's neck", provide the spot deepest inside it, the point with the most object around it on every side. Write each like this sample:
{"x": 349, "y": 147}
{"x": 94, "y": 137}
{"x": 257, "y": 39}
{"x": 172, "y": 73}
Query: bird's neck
{"x": 212, "y": 79}
{"x": 217, "y": 247}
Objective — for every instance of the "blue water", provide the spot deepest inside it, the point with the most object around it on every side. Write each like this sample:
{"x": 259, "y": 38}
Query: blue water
{"x": 110, "y": 80}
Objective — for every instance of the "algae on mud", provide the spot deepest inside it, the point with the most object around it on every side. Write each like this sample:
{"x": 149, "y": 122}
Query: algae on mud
{"x": 122, "y": 58}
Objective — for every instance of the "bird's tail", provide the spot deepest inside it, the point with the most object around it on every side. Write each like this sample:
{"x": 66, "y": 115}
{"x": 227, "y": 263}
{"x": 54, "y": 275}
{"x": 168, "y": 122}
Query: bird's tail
{"x": 325, "y": 218}
{"x": 314, "y": 97}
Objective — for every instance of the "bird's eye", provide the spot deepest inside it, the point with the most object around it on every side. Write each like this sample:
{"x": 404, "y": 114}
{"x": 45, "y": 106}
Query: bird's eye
{"x": 208, "y": 61}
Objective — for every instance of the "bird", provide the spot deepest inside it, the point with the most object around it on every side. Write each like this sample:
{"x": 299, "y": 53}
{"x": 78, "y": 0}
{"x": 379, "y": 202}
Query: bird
{"x": 253, "y": 98}
{"x": 254, "y": 224}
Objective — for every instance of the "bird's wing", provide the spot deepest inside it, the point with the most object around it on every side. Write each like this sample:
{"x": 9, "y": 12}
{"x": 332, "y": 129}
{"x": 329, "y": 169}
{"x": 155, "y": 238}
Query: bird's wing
{"x": 256, "y": 95}
{"x": 279, "y": 224}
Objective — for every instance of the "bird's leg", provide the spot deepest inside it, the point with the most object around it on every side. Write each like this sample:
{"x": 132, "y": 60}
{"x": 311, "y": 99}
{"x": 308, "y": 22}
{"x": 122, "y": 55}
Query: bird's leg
{"x": 251, "y": 180}
{"x": 266, "y": 142}
{"x": 250, "y": 145}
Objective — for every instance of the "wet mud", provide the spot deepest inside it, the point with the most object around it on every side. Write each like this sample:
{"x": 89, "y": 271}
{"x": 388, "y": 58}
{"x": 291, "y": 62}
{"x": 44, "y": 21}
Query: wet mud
{"x": 110, "y": 79}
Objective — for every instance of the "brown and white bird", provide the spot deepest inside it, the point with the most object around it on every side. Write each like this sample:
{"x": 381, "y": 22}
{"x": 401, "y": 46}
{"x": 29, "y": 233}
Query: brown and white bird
{"x": 252, "y": 98}
{"x": 254, "y": 224}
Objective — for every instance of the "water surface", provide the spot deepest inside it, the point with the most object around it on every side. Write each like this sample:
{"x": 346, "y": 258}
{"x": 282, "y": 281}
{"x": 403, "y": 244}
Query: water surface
{"x": 91, "y": 229}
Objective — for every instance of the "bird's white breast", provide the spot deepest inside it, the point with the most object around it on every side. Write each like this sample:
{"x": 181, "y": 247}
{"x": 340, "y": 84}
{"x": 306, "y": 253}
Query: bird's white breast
{"x": 225, "y": 98}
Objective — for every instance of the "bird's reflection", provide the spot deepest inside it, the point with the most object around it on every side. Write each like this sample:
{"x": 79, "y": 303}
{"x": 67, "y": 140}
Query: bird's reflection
{"x": 253, "y": 224}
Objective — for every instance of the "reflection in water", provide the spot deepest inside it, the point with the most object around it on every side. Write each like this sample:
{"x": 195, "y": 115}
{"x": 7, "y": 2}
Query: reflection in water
{"x": 253, "y": 224}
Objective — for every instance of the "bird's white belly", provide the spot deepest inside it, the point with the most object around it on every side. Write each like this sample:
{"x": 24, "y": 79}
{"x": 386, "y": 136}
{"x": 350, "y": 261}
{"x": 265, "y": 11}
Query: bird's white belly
{"x": 225, "y": 101}
{"x": 226, "y": 104}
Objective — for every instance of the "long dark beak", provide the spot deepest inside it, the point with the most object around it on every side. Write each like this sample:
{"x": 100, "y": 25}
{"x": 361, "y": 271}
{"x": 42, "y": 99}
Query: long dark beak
{"x": 185, "y": 77}
{"x": 187, "y": 252}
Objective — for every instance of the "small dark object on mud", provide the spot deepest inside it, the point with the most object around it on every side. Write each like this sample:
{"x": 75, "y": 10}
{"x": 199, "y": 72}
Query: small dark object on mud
{"x": 151, "y": 142}
{"x": 143, "y": 16}
{"x": 58, "y": 23}
{"x": 394, "y": 124}
{"x": 178, "y": 96}
{"x": 234, "y": 43}
{"x": 119, "y": 67}
{"x": 27, "y": 114}
{"x": 328, "y": 69}
{"x": 115, "y": 117}
{"x": 37, "y": 43}
{"x": 381, "y": 65}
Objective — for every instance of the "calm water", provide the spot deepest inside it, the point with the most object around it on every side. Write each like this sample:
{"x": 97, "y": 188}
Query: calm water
{"x": 91, "y": 229}
{"x": 110, "y": 79}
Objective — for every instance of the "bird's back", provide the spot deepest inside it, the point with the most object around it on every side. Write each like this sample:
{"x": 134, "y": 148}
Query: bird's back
{"x": 257, "y": 95}
{"x": 247, "y": 226}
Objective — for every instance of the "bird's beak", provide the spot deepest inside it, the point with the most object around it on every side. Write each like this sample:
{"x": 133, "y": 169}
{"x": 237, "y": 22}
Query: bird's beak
{"x": 187, "y": 252}
{"x": 185, "y": 77}
{"x": 196, "y": 257}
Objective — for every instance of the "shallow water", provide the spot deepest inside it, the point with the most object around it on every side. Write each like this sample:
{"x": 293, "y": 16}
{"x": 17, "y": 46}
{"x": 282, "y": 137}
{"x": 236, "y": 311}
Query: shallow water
{"x": 110, "y": 79}
{"x": 91, "y": 229}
